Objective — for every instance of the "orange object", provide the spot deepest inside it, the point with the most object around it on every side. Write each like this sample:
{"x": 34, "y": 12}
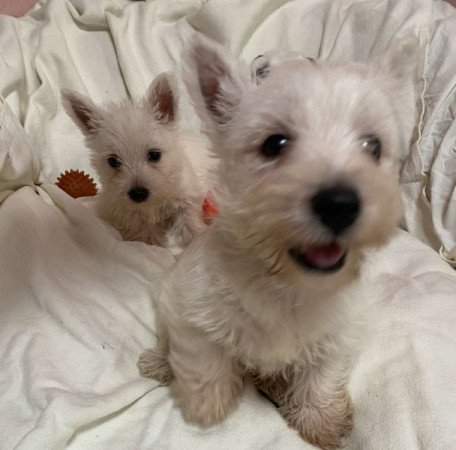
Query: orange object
{"x": 76, "y": 183}
{"x": 210, "y": 208}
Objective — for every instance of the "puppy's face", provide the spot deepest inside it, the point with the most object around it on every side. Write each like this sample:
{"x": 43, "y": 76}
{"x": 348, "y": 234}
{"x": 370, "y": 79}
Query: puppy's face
{"x": 133, "y": 146}
{"x": 308, "y": 159}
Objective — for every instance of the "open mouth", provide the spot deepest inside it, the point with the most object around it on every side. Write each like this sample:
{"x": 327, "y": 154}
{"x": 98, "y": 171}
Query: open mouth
{"x": 320, "y": 258}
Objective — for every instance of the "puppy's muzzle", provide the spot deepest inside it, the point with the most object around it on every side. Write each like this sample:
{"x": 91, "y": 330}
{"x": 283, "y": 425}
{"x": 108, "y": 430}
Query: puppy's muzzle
{"x": 337, "y": 207}
{"x": 138, "y": 194}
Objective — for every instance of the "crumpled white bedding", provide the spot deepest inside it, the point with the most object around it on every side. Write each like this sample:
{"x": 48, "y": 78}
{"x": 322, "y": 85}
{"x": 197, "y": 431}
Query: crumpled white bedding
{"x": 429, "y": 175}
{"x": 75, "y": 308}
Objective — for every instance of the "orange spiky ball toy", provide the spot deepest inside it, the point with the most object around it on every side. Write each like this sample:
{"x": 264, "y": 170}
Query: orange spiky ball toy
{"x": 76, "y": 183}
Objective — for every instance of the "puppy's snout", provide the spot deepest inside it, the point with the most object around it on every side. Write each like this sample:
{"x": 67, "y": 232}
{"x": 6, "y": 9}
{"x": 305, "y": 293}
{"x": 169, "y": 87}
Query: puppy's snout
{"x": 138, "y": 194}
{"x": 337, "y": 207}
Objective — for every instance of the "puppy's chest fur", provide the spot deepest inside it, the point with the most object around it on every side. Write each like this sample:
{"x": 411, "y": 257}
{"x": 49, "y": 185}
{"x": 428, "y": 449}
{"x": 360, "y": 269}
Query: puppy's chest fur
{"x": 151, "y": 225}
{"x": 265, "y": 325}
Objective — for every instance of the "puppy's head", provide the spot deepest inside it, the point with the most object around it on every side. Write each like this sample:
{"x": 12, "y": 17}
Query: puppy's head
{"x": 133, "y": 147}
{"x": 308, "y": 171}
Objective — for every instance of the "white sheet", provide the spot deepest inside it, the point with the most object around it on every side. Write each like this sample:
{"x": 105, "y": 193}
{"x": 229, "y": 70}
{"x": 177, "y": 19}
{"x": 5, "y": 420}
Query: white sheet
{"x": 429, "y": 175}
{"x": 75, "y": 307}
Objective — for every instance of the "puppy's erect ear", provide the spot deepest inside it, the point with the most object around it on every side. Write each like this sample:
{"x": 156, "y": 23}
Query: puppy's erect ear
{"x": 259, "y": 68}
{"x": 160, "y": 98}
{"x": 401, "y": 58}
{"x": 214, "y": 79}
{"x": 82, "y": 110}
{"x": 399, "y": 64}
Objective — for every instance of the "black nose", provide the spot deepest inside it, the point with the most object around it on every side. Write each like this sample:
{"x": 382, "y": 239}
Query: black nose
{"x": 337, "y": 207}
{"x": 138, "y": 194}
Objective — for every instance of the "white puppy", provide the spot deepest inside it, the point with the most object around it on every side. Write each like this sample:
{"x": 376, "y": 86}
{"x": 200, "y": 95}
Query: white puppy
{"x": 149, "y": 189}
{"x": 307, "y": 180}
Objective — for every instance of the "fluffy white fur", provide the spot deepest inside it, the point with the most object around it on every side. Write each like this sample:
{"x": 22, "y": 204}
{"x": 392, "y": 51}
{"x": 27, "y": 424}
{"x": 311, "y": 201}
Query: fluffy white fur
{"x": 236, "y": 302}
{"x": 171, "y": 215}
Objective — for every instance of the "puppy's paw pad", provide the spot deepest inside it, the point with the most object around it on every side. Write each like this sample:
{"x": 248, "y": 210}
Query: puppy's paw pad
{"x": 154, "y": 364}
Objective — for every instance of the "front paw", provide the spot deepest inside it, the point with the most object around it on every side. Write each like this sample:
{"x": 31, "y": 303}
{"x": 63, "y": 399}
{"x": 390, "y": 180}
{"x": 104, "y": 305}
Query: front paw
{"x": 153, "y": 363}
{"x": 324, "y": 426}
{"x": 210, "y": 404}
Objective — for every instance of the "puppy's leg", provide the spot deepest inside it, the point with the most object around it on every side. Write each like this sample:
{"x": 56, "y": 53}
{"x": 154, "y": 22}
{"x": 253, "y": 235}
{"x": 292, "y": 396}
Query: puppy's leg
{"x": 273, "y": 387}
{"x": 207, "y": 383}
{"x": 188, "y": 223}
{"x": 153, "y": 362}
{"x": 317, "y": 402}
{"x": 152, "y": 235}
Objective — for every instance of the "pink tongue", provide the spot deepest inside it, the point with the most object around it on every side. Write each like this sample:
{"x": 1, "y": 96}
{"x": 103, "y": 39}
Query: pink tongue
{"x": 324, "y": 256}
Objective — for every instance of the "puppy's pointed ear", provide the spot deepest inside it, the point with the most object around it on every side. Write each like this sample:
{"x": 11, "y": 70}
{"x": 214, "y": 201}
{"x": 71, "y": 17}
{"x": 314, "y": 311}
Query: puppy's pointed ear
{"x": 160, "y": 98}
{"x": 399, "y": 64}
{"x": 401, "y": 58}
{"x": 82, "y": 110}
{"x": 214, "y": 79}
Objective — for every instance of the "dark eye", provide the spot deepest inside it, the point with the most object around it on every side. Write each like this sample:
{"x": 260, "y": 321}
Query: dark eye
{"x": 113, "y": 161}
{"x": 371, "y": 144}
{"x": 274, "y": 145}
{"x": 153, "y": 155}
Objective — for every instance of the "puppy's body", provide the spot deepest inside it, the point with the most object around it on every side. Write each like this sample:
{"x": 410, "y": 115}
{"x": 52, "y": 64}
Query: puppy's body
{"x": 265, "y": 322}
{"x": 307, "y": 180}
{"x": 149, "y": 191}
{"x": 220, "y": 320}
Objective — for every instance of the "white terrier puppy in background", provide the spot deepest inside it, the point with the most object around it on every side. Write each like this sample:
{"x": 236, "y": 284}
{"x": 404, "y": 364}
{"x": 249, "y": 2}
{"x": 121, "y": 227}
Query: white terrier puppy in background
{"x": 149, "y": 191}
{"x": 307, "y": 180}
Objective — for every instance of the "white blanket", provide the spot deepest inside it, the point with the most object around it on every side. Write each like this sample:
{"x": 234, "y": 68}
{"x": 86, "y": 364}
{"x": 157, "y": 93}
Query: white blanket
{"x": 75, "y": 308}
{"x": 429, "y": 175}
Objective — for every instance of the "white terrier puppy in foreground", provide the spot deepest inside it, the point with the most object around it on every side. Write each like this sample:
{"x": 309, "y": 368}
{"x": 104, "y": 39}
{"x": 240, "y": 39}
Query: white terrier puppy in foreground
{"x": 149, "y": 191}
{"x": 307, "y": 181}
